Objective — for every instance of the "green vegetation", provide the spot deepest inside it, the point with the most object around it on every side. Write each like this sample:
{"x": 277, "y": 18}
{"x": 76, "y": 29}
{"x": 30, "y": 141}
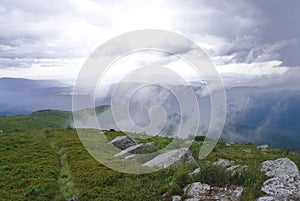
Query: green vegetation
{"x": 41, "y": 158}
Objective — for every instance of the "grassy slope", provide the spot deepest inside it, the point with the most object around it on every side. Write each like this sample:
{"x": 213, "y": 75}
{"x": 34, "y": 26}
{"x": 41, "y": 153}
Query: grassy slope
{"x": 41, "y": 162}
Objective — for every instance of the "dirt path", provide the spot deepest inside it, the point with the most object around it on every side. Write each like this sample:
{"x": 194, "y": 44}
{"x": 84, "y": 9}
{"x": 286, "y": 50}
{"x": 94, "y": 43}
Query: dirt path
{"x": 65, "y": 179}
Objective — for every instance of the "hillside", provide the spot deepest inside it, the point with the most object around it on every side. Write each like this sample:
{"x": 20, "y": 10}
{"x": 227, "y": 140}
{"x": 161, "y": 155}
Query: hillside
{"x": 42, "y": 158}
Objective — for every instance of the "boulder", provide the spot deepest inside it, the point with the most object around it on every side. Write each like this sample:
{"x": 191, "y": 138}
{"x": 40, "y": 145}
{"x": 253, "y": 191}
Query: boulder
{"x": 263, "y": 147}
{"x": 247, "y": 150}
{"x": 283, "y": 187}
{"x": 135, "y": 149}
{"x": 285, "y": 184}
{"x": 281, "y": 166}
{"x": 171, "y": 157}
{"x": 123, "y": 142}
{"x": 223, "y": 163}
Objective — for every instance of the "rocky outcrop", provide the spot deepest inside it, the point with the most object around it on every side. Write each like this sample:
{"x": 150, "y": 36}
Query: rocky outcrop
{"x": 285, "y": 184}
{"x": 223, "y": 163}
{"x": 199, "y": 191}
{"x": 123, "y": 142}
{"x": 135, "y": 149}
{"x": 171, "y": 157}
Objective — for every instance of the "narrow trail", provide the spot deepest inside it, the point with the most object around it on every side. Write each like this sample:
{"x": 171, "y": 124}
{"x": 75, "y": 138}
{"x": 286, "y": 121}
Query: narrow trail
{"x": 65, "y": 179}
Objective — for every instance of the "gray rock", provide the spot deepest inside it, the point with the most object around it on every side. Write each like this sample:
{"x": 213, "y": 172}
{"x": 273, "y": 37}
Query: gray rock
{"x": 223, "y": 163}
{"x": 124, "y": 142}
{"x": 263, "y": 147}
{"x": 267, "y": 198}
{"x": 1, "y": 131}
{"x": 196, "y": 189}
{"x": 281, "y": 166}
{"x": 135, "y": 149}
{"x": 192, "y": 199}
{"x": 228, "y": 145}
{"x": 171, "y": 157}
{"x": 283, "y": 187}
{"x": 132, "y": 156}
{"x": 247, "y": 150}
{"x": 73, "y": 199}
{"x": 176, "y": 198}
{"x": 195, "y": 172}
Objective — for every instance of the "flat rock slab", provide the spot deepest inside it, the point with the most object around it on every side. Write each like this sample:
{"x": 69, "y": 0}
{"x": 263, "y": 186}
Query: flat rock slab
{"x": 135, "y": 149}
{"x": 123, "y": 142}
{"x": 171, "y": 157}
{"x": 281, "y": 166}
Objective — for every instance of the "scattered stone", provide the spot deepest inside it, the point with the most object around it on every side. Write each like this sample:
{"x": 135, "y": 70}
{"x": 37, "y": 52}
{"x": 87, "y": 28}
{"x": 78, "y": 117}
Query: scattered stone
{"x": 228, "y": 145}
{"x": 263, "y": 147}
{"x": 135, "y": 149}
{"x": 223, "y": 163}
{"x": 176, "y": 198}
{"x": 123, "y": 142}
{"x": 281, "y": 166}
{"x": 247, "y": 150}
{"x": 1, "y": 131}
{"x": 101, "y": 132}
{"x": 195, "y": 172}
{"x": 171, "y": 157}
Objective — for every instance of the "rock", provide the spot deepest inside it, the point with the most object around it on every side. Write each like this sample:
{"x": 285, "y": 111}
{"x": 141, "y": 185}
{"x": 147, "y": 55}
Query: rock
{"x": 223, "y": 163}
{"x": 171, "y": 157}
{"x": 73, "y": 199}
{"x": 267, "y": 198}
{"x": 101, "y": 132}
{"x": 228, "y": 145}
{"x": 176, "y": 198}
{"x": 237, "y": 169}
{"x": 285, "y": 183}
{"x": 195, "y": 172}
{"x": 263, "y": 147}
{"x": 135, "y": 149}
{"x": 247, "y": 150}
{"x": 132, "y": 156}
{"x": 281, "y": 166}
{"x": 196, "y": 189}
{"x": 124, "y": 142}
{"x": 283, "y": 187}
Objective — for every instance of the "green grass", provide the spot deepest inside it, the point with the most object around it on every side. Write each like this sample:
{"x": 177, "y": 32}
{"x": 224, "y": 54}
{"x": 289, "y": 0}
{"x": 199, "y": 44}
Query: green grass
{"x": 42, "y": 159}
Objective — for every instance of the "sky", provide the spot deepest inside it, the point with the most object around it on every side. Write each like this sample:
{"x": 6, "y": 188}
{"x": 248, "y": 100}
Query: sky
{"x": 245, "y": 39}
